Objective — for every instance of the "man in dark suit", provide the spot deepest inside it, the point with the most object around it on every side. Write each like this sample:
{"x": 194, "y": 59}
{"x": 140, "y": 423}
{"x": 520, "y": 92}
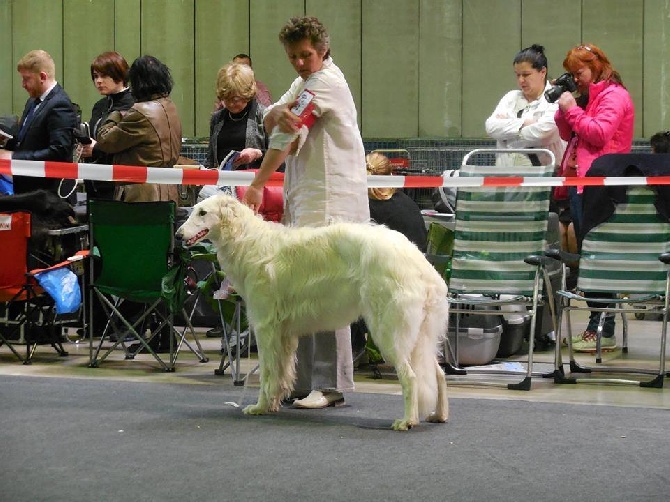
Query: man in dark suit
{"x": 47, "y": 122}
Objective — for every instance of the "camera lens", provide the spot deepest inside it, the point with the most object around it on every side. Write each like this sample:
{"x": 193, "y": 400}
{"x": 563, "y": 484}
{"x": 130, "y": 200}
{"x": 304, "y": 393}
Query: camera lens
{"x": 554, "y": 93}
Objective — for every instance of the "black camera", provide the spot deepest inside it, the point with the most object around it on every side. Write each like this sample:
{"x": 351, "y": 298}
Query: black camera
{"x": 82, "y": 134}
{"x": 565, "y": 82}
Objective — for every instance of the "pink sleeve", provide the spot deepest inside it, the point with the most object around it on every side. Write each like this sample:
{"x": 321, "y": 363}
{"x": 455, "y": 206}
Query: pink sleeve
{"x": 564, "y": 129}
{"x": 599, "y": 126}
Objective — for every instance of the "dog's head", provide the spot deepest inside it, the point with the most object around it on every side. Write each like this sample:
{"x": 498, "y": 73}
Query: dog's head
{"x": 211, "y": 217}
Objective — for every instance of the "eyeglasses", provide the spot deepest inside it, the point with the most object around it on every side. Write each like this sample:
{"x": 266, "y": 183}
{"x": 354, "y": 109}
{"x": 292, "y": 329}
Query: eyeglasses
{"x": 234, "y": 99}
{"x": 585, "y": 47}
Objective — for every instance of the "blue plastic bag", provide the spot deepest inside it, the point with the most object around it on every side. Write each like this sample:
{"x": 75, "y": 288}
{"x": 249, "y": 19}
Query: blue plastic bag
{"x": 6, "y": 185}
{"x": 63, "y": 286}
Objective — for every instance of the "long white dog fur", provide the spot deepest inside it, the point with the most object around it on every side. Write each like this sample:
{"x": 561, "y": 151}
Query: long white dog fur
{"x": 301, "y": 280}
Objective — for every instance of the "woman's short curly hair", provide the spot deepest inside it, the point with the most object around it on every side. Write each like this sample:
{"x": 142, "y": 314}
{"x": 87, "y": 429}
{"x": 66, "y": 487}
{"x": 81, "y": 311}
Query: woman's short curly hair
{"x": 236, "y": 79}
{"x": 310, "y": 28}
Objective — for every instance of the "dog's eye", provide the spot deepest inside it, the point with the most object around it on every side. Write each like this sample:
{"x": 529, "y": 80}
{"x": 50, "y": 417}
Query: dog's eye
{"x": 202, "y": 212}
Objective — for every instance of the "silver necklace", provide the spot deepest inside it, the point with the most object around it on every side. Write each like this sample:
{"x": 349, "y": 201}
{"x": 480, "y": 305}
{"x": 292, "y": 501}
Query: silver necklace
{"x": 237, "y": 119}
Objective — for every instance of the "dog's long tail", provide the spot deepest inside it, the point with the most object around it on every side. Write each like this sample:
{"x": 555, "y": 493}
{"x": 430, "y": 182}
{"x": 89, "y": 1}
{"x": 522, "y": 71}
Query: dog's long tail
{"x": 424, "y": 355}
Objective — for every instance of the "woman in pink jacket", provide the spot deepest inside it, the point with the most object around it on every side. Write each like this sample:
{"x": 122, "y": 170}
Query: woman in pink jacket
{"x": 599, "y": 121}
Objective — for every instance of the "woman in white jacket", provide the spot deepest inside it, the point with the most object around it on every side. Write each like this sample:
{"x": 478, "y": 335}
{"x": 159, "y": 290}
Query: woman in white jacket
{"x": 325, "y": 182}
{"x": 523, "y": 117}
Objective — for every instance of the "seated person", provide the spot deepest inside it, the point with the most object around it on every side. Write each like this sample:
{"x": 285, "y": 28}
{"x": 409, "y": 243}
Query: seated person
{"x": 395, "y": 209}
{"x": 392, "y": 207}
{"x": 660, "y": 142}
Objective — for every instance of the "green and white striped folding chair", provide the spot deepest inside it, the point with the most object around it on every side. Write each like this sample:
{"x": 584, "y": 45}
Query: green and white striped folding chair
{"x": 498, "y": 257}
{"x": 627, "y": 255}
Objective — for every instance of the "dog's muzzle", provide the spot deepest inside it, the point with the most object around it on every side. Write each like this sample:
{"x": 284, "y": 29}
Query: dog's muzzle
{"x": 200, "y": 235}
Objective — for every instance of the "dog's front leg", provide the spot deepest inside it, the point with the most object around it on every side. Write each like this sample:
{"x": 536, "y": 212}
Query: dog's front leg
{"x": 276, "y": 354}
{"x": 262, "y": 406}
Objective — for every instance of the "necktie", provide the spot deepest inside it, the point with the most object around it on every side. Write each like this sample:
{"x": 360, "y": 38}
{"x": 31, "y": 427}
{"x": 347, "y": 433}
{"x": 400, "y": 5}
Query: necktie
{"x": 28, "y": 119}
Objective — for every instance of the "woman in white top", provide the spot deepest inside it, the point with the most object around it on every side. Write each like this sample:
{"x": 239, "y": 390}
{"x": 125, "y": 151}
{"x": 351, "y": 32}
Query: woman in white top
{"x": 325, "y": 182}
{"x": 523, "y": 117}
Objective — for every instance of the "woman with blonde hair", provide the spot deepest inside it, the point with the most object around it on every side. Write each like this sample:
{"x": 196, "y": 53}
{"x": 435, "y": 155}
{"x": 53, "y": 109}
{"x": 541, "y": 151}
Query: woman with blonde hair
{"x": 238, "y": 125}
{"x": 393, "y": 207}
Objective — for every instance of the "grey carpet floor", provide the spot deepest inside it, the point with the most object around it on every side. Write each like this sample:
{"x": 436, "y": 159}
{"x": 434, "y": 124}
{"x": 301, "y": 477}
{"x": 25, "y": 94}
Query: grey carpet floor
{"x": 101, "y": 440}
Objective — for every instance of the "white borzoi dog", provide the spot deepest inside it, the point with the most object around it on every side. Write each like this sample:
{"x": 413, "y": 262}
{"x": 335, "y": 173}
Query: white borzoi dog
{"x": 301, "y": 280}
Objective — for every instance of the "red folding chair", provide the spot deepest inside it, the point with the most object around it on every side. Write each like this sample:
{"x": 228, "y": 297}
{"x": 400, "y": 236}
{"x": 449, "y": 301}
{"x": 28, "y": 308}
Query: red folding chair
{"x": 27, "y": 313}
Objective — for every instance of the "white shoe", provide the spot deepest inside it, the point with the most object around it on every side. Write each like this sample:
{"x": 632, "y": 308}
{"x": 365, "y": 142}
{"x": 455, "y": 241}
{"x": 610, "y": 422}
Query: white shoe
{"x": 318, "y": 399}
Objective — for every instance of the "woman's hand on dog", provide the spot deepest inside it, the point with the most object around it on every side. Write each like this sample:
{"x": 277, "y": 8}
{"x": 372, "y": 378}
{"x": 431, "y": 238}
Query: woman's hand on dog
{"x": 253, "y": 198}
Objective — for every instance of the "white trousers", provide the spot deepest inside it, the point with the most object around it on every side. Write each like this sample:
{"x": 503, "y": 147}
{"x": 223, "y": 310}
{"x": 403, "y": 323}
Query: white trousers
{"x": 325, "y": 362}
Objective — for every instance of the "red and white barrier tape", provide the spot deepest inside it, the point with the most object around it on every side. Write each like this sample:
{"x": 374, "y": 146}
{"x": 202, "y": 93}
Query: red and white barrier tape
{"x": 191, "y": 176}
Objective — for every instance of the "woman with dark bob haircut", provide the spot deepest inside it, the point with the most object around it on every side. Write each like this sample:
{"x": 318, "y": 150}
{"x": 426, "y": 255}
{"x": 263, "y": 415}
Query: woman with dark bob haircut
{"x": 109, "y": 73}
{"x": 110, "y": 64}
{"x": 149, "y": 134}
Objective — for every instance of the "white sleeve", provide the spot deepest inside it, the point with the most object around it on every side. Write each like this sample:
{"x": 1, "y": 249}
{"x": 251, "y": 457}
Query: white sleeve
{"x": 540, "y": 132}
{"x": 325, "y": 97}
{"x": 288, "y": 97}
{"x": 505, "y": 128}
{"x": 280, "y": 140}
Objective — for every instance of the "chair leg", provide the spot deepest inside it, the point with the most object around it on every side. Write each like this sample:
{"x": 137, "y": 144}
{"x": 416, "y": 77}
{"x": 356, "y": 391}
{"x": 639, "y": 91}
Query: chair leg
{"x": 14, "y": 327}
{"x": 522, "y": 385}
{"x": 14, "y": 351}
{"x": 233, "y": 361}
{"x": 655, "y": 383}
{"x": 199, "y": 352}
{"x": 624, "y": 327}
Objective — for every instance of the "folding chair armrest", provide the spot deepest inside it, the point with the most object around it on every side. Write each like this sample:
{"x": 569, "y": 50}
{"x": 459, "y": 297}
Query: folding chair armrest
{"x": 665, "y": 258}
{"x": 553, "y": 253}
{"x": 79, "y": 255}
{"x": 69, "y": 230}
{"x": 562, "y": 256}
{"x": 536, "y": 259}
{"x": 438, "y": 259}
{"x": 211, "y": 257}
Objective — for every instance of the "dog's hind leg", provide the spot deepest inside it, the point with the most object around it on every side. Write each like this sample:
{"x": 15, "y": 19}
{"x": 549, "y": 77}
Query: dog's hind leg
{"x": 441, "y": 413}
{"x": 407, "y": 379}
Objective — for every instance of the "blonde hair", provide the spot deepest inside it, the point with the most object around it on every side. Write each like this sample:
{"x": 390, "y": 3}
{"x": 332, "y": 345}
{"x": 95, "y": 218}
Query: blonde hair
{"x": 378, "y": 164}
{"x": 236, "y": 79}
{"x": 38, "y": 61}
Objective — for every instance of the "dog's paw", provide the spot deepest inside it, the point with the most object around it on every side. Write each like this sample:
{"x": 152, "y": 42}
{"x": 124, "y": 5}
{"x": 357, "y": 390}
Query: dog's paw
{"x": 254, "y": 409}
{"x": 402, "y": 425}
{"x": 436, "y": 418}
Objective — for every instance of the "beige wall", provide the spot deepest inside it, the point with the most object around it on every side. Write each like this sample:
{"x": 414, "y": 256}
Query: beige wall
{"x": 416, "y": 68}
